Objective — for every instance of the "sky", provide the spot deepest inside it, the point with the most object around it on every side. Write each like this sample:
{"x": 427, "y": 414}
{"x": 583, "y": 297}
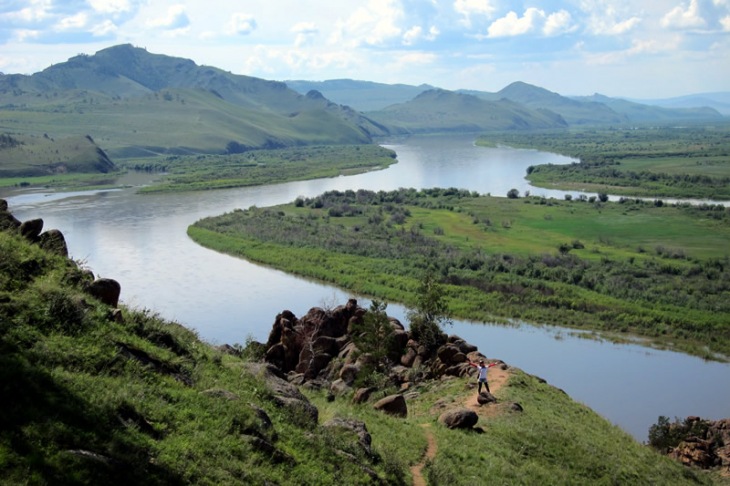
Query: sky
{"x": 640, "y": 49}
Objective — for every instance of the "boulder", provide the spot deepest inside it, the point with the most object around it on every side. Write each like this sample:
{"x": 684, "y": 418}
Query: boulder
{"x": 460, "y": 418}
{"x": 106, "y": 290}
{"x": 53, "y": 241}
{"x": 485, "y": 397}
{"x": 7, "y": 220}
{"x": 349, "y": 372}
{"x": 409, "y": 357}
{"x": 31, "y": 229}
{"x": 285, "y": 395}
{"x": 355, "y": 426}
{"x": 340, "y": 387}
{"x": 393, "y": 405}
{"x": 362, "y": 395}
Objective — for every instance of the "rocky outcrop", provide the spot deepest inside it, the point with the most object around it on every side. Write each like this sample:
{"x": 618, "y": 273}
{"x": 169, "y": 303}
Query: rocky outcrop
{"x": 319, "y": 347}
{"x": 707, "y": 446}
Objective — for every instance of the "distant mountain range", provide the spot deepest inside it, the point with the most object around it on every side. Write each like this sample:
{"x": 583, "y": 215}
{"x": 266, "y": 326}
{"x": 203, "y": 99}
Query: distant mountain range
{"x": 133, "y": 103}
{"x": 575, "y": 110}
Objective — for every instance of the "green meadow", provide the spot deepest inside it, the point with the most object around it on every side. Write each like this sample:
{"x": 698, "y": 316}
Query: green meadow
{"x": 624, "y": 268}
{"x": 670, "y": 162}
{"x": 258, "y": 167}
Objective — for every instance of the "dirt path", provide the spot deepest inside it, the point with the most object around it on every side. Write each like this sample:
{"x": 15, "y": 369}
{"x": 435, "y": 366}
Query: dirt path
{"x": 497, "y": 378}
{"x": 417, "y": 470}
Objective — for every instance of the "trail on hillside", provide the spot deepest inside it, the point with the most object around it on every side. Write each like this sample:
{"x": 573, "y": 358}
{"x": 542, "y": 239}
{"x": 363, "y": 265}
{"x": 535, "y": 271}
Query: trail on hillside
{"x": 431, "y": 449}
{"x": 497, "y": 378}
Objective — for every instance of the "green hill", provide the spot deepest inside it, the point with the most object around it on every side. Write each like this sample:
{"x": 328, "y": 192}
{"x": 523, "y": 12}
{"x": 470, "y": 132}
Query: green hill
{"x": 441, "y": 110}
{"x": 23, "y": 156}
{"x": 98, "y": 395}
{"x": 135, "y": 103}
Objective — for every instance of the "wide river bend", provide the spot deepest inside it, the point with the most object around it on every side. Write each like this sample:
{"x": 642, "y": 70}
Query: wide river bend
{"x": 141, "y": 241}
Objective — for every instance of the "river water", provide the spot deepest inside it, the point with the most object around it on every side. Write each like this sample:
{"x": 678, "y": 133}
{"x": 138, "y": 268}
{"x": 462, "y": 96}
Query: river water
{"x": 141, "y": 242}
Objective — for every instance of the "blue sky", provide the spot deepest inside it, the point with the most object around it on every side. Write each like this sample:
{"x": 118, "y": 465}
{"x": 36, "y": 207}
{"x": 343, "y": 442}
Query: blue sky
{"x": 637, "y": 49}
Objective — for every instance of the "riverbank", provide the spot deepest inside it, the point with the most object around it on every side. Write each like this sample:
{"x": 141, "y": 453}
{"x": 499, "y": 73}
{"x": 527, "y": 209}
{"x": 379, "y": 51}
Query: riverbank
{"x": 689, "y": 162}
{"x": 589, "y": 265}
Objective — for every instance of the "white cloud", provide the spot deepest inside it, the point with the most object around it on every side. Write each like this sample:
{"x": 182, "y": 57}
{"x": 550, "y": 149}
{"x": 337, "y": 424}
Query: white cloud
{"x": 110, "y": 6}
{"x": 241, "y": 24}
{"x": 725, "y": 22}
{"x": 374, "y": 24}
{"x": 684, "y": 18}
{"x": 175, "y": 18}
{"x": 534, "y": 20}
{"x": 610, "y": 17}
{"x": 75, "y": 22}
{"x": 412, "y": 35}
{"x": 104, "y": 29}
{"x": 305, "y": 31}
{"x": 416, "y": 33}
{"x": 469, "y": 8}
{"x": 558, "y": 23}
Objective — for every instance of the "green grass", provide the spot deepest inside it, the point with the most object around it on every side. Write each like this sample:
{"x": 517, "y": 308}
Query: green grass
{"x": 669, "y": 162}
{"x": 630, "y": 267}
{"x": 78, "y": 409}
{"x": 174, "y": 121}
{"x": 258, "y": 167}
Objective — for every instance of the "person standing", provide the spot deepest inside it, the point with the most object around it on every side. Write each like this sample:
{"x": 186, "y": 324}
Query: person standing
{"x": 482, "y": 368}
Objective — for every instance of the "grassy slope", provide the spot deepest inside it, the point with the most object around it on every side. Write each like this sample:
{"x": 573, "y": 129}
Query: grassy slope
{"x": 77, "y": 410}
{"x": 42, "y": 155}
{"x": 639, "y": 260}
{"x": 177, "y": 120}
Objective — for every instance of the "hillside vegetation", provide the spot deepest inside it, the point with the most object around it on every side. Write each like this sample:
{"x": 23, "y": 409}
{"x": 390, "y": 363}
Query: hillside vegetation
{"x": 94, "y": 396}
{"x": 626, "y": 267}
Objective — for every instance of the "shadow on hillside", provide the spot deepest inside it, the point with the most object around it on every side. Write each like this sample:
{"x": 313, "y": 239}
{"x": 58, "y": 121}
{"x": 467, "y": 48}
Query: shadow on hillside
{"x": 62, "y": 437}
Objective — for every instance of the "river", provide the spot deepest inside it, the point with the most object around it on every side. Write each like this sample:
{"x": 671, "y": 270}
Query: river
{"x": 141, "y": 242}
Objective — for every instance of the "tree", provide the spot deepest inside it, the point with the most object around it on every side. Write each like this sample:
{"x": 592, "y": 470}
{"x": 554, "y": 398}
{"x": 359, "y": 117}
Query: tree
{"x": 430, "y": 314}
{"x": 513, "y": 193}
{"x": 375, "y": 335}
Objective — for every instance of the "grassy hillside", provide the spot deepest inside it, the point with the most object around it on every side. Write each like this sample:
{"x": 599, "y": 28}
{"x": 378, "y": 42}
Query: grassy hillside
{"x": 88, "y": 399}
{"x": 135, "y": 103}
{"x": 624, "y": 268}
{"x": 442, "y": 111}
{"x": 23, "y": 155}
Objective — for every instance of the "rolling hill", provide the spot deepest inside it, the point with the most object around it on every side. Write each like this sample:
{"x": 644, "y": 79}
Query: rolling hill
{"x": 442, "y": 110}
{"x": 137, "y": 103}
